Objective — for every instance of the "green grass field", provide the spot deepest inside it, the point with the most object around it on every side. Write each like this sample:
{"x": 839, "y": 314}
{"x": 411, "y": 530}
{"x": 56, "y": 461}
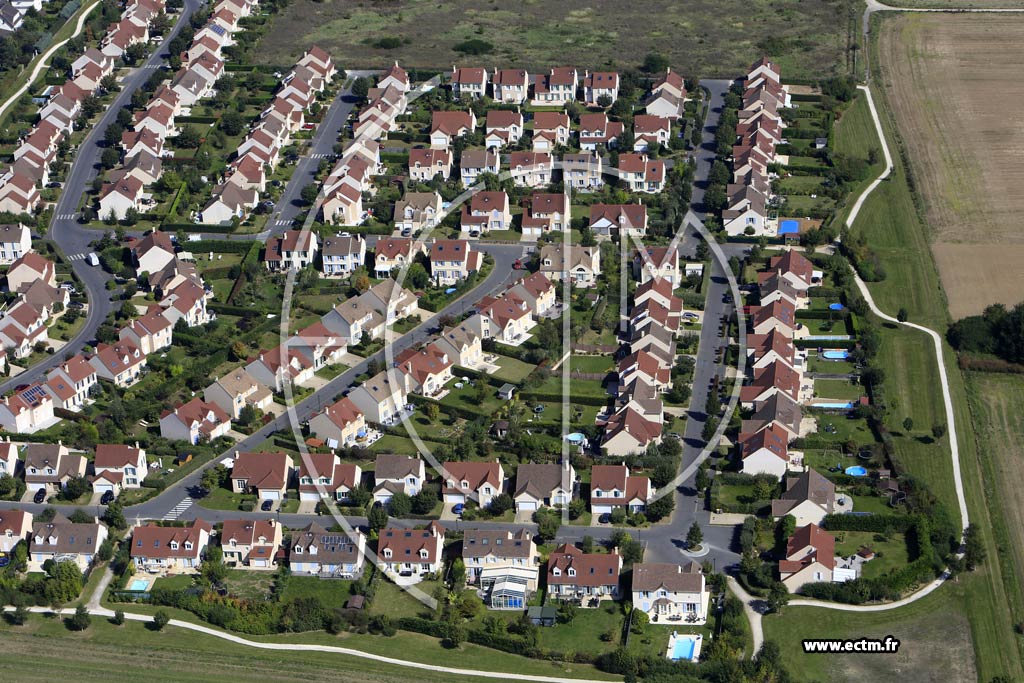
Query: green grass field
{"x": 717, "y": 39}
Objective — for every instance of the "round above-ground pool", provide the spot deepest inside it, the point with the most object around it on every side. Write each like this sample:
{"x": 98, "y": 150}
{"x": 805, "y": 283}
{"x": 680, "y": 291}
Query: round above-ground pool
{"x": 835, "y": 354}
{"x": 575, "y": 438}
{"x": 835, "y": 307}
{"x": 856, "y": 471}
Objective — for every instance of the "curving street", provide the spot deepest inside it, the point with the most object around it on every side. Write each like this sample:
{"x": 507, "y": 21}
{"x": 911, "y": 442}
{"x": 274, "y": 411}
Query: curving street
{"x": 72, "y": 238}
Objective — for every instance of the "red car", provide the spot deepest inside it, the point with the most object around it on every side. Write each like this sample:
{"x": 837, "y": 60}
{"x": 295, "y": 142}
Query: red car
{"x": 518, "y": 265}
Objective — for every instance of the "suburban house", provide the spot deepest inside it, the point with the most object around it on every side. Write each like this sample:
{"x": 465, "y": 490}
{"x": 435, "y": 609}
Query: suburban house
{"x": 427, "y": 370}
{"x": 353, "y": 318}
{"x": 670, "y": 592}
{"x": 629, "y": 431}
{"x": 557, "y": 86}
{"x": 583, "y": 172}
{"x": 475, "y": 162}
{"x": 149, "y": 333}
{"x": 61, "y": 540}
{"x": 118, "y": 467}
{"x": 71, "y": 383}
{"x": 667, "y": 96}
{"x": 451, "y": 261}
{"x": 478, "y": 482}
{"x": 779, "y": 409}
{"x": 531, "y": 169}
{"x": 612, "y": 486}
{"x": 394, "y": 252}
{"x": 445, "y": 126}
{"x": 810, "y": 558}
{"x": 325, "y": 472}
{"x": 462, "y": 344}
{"x": 508, "y": 318}
{"x": 194, "y": 421}
{"x": 10, "y": 464}
{"x": 543, "y": 485}
{"x": 265, "y": 474}
{"x": 794, "y": 267}
{"x": 418, "y": 211}
{"x": 642, "y": 174}
{"x": 657, "y": 263}
{"x": 153, "y": 252}
{"x": 582, "y": 265}
{"x": 394, "y": 473}
{"x": 808, "y": 498}
{"x": 120, "y": 197}
{"x": 339, "y": 425}
{"x": 122, "y": 362}
{"x": 596, "y": 129}
{"x": 650, "y": 132}
{"x": 391, "y": 300}
{"x": 503, "y": 564}
{"x": 766, "y": 452}
{"x": 426, "y": 164}
{"x": 15, "y": 527}
{"x": 396, "y": 77}
{"x": 50, "y": 466}
{"x": 318, "y": 552}
{"x": 545, "y": 213}
{"x": 295, "y": 249}
{"x": 170, "y": 549}
{"x": 550, "y": 129}
{"x": 487, "y": 210}
{"x": 503, "y": 128}
{"x": 236, "y": 390}
{"x": 468, "y": 82}
{"x": 15, "y": 242}
{"x": 276, "y": 367}
{"x": 411, "y": 553}
{"x": 537, "y": 291}
{"x": 250, "y": 543}
{"x": 510, "y": 86}
{"x": 380, "y": 399}
{"x": 777, "y": 377}
{"x": 600, "y": 88}
{"x": 589, "y": 577}
{"x": 27, "y": 410}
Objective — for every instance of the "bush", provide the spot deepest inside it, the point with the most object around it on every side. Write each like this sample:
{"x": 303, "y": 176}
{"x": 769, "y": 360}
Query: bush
{"x": 160, "y": 619}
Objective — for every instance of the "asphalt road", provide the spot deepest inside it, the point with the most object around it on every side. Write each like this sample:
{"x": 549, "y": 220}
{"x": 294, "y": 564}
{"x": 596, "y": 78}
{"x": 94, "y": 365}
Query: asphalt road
{"x": 72, "y": 238}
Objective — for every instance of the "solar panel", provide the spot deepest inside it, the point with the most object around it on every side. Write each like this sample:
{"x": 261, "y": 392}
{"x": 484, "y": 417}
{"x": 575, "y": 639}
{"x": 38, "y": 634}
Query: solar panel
{"x": 33, "y": 394}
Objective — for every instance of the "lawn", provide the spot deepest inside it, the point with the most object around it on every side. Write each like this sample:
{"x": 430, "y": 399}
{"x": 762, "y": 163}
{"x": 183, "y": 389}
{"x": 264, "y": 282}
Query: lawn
{"x": 390, "y": 443}
{"x": 225, "y": 499}
{"x": 44, "y": 649}
{"x": 584, "y": 633}
{"x": 593, "y": 363}
{"x": 590, "y": 388}
{"x": 890, "y": 552}
{"x": 250, "y": 585}
{"x": 712, "y": 39}
{"x": 512, "y": 370}
{"x": 935, "y": 642}
{"x": 330, "y": 592}
{"x": 838, "y": 389}
{"x": 174, "y": 583}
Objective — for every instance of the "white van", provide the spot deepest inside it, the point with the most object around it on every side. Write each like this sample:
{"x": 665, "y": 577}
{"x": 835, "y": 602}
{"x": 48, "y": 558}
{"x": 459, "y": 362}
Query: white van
{"x": 93, "y": 259}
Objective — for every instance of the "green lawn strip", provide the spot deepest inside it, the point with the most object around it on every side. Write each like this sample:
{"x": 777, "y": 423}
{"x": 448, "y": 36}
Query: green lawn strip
{"x": 837, "y": 389}
{"x": 593, "y": 363}
{"x": 46, "y": 649}
{"x": 512, "y": 370}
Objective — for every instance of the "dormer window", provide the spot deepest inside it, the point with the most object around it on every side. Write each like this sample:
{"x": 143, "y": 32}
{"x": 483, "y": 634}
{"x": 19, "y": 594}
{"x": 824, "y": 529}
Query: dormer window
{"x": 174, "y": 545}
{"x": 188, "y": 545}
{"x": 387, "y": 553}
{"x": 572, "y": 572}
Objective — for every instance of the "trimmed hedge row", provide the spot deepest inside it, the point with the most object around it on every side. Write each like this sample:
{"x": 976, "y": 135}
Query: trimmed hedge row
{"x": 556, "y": 398}
{"x": 198, "y": 227}
{"x": 881, "y": 524}
{"x": 221, "y": 246}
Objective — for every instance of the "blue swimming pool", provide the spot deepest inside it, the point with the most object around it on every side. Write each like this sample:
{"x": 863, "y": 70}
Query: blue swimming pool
{"x": 138, "y": 585}
{"x": 575, "y": 437}
{"x": 835, "y": 307}
{"x": 789, "y": 227}
{"x": 856, "y": 471}
{"x": 683, "y": 647}
{"x": 835, "y": 354}
{"x": 836, "y": 405}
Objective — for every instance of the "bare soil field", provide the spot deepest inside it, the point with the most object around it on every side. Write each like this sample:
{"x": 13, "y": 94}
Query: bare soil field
{"x": 950, "y": 79}
{"x": 700, "y": 37}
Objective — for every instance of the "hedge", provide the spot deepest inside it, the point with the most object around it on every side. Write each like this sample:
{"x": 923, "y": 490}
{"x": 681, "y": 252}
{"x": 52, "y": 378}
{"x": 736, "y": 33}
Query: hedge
{"x": 882, "y": 524}
{"x": 227, "y": 309}
{"x": 199, "y": 227}
{"x": 197, "y": 119}
{"x": 599, "y": 401}
{"x": 821, "y": 343}
{"x": 807, "y": 314}
{"x": 222, "y": 246}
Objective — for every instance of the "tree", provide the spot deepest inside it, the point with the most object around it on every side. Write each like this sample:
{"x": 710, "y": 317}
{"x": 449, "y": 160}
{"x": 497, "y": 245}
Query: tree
{"x": 454, "y": 635}
{"x": 655, "y": 62}
{"x": 938, "y": 430}
{"x": 131, "y": 216}
{"x": 661, "y": 508}
{"x": 908, "y": 424}
{"x": 360, "y": 280}
{"x": 458, "y": 573}
{"x": 617, "y": 516}
{"x": 400, "y": 505}
{"x": 213, "y": 568}
{"x": 309, "y": 193}
{"x": 587, "y": 544}
{"x": 80, "y": 620}
{"x": 548, "y": 523}
{"x": 377, "y": 517}
{"x": 232, "y": 123}
{"x": 500, "y": 504}
{"x": 638, "y": 621}
{"x": 902, "y": 315}
{"x": 974, "y": 549}
{"x": 424, "y": 501}
{"x": 694, "y": 537}
{"x": 577, "y": 506}
{"x": 160, "y": 619}
{"x": 118, "y": 619}
{"x": 778, "y": 597}
{"x": 20, "y": 616}
{"x": 566, "y": 612}
{"x": 110, "y": 158}
{"x": 188, "y": 138}
{"x": 361, "y": 86}
{"x": 75, "y": 488}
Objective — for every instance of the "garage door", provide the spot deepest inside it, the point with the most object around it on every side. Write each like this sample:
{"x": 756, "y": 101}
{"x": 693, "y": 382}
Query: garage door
{"x": 527, "y": 506}
{"x": 102, "y": 488}
{"x": 454, "y": 498}
{"x": 309, "y": 495}
{"x": 270, "y": 495}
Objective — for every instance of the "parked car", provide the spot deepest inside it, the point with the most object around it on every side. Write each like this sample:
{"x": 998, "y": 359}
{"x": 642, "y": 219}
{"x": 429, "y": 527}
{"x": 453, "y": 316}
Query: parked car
{"x": 458, "y": 509}
{"x": 267, "y": 504}
{"x": 107, "y": 498}
{"x": 40, "y": 496}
